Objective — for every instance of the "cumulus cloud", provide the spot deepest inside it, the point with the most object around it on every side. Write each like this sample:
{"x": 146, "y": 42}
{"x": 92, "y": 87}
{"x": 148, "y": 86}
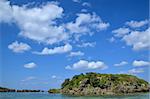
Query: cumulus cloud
{"x": 38, "y": 23}
{"x": 136, "y": 71}
{"x": 78, "y": 53}
{"x": 139, "y": 63}
{"x": 87, "y": 44}
{"x": 30, "y": 65}
{"x": 19, "y": 47}
{"x": 138, "y": 39}
{"x": 87, "y": 65}
{"x": 84, "y": 24}
{"x": 5, "y": 11}
{"x": 120, "y": 32}
{"x": 56, "y": 50}
{"x": 137, "y": 24}
{"x": 121, "y": 63}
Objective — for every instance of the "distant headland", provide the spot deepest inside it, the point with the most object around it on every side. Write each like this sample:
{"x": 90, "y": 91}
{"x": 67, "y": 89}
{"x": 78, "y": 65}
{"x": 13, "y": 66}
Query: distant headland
{"x": 102, "y": 84}
{"x": 2, "y": 89}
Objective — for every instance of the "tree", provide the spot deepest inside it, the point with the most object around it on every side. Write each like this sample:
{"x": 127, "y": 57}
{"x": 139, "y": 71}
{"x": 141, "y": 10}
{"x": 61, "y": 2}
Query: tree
{"x": 65, "y": 83}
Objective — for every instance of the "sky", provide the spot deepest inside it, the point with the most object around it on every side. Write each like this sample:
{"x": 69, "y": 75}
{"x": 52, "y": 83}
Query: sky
{"x": 43, "y": 42}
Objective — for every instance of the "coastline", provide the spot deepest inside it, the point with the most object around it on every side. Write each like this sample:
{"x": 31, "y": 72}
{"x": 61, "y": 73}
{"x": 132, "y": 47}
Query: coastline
{"x": 2, "y": 90}
{"x": 129, "y": 94}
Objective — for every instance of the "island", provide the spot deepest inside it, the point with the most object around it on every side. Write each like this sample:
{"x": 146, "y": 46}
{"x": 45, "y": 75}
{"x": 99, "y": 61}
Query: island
{"x": 2, "y": 89}
{"x": 54, "y": 90}
{"x": 103, "y": 84}
{"x": 25, "y": 90}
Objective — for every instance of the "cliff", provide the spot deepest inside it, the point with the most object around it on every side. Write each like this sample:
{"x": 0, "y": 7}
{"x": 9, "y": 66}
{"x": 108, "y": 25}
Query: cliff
{"x": 104, "y": 84}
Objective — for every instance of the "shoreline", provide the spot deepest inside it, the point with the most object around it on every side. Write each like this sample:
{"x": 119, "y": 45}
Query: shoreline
{"x": 129, "y": 94}
{"x": 139, "y": 93}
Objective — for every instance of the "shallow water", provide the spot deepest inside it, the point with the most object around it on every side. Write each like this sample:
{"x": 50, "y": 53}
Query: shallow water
{"x": 59, "y": 96}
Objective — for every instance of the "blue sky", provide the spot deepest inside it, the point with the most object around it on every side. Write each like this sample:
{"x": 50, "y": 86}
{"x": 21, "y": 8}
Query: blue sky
{"x": 44, "y": 42}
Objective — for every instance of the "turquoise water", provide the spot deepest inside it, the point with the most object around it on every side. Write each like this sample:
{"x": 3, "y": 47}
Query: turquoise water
{"x": 58, "y": 96}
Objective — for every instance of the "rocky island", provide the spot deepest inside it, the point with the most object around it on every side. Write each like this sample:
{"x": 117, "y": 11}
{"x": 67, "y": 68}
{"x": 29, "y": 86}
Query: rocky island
{"x": 2, "y": 89}
{"x": 103, "y": 84}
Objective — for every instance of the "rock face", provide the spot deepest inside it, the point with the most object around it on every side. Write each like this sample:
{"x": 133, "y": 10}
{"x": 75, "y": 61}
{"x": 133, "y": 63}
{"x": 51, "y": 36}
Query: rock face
{"x": 104, "y": 84}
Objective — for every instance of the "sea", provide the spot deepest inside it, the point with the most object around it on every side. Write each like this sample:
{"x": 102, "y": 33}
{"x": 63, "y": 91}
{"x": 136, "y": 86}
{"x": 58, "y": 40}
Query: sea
{"x": 14, "y": 95}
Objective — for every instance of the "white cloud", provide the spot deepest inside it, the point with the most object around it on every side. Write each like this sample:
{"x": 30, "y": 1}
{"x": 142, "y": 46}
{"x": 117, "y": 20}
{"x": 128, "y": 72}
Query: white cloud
{"x": 87, "y": 65}
{"x": 5, "y": 11}
{"x": 54, "y": 76}
{"x": 86, "y": 4}
{"x": 30, "y": 65}
{"x": 87, "y": 44}
{"x": 135, "y": 71}
{"x": 121, "y": 32}
{"x": 19, "y": 47}
{"x": 137, "y": 24}
{"x": 78, "y": 53}
{"x": 138, "y": 39}
{"x": 77, "y": 1}
{"x": 112, "y": 39}
{"x": 29, "y": 78}
{"x": 38, "y": 23}
{"x": 84, "y": 10}
{"x": 139, "y": 63}
{"x": 56, "y": 50}
{"x": 84, "y": 24}
{"x": 121, "y": 63}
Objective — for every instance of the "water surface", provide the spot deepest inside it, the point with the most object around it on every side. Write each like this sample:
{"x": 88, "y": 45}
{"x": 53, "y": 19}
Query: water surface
{"x": 59, "y": 96}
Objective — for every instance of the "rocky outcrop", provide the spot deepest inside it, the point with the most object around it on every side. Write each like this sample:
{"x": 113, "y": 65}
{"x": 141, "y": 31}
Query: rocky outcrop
{"x": 104, "y": 84}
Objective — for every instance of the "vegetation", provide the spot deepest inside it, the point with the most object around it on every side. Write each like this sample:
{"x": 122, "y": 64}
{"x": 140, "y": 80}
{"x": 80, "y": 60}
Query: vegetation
{"x": 101, "y": 84}
{"x": 54, "y": 91}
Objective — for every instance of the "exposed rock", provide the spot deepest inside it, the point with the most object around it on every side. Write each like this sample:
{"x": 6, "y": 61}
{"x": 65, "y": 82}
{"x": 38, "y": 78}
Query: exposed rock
{"x": 104, "y": 84}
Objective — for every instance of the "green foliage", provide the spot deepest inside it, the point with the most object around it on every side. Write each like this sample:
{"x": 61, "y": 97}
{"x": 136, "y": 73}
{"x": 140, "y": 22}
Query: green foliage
{"x": 65, "y": 83}
{"x": 54, "y": 91}
{"x": 102, "y": 80}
